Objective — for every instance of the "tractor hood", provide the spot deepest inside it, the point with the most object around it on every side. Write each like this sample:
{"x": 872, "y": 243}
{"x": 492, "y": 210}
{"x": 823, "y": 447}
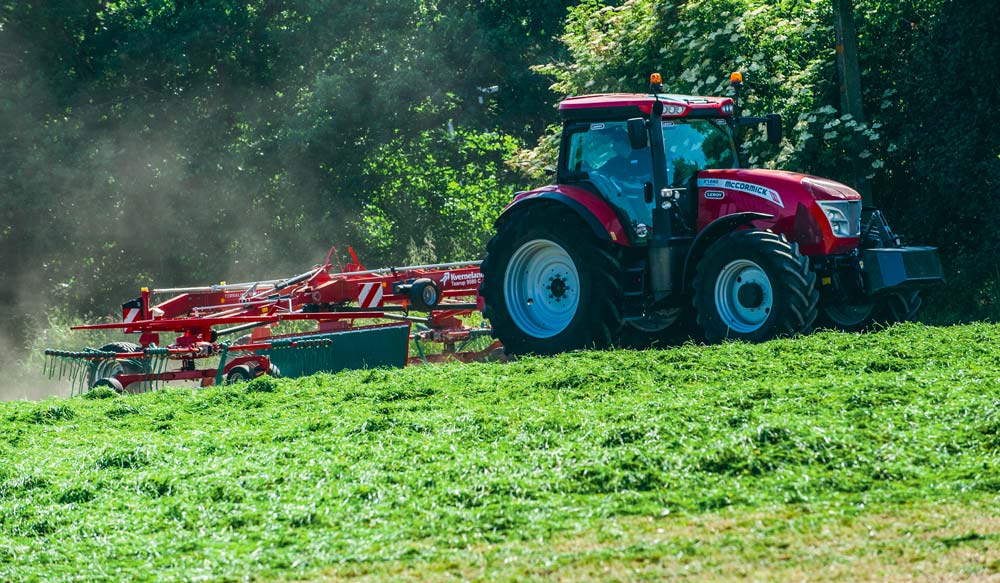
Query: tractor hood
{"x": 799, "y": 204}
{"x": 781, "y": 188}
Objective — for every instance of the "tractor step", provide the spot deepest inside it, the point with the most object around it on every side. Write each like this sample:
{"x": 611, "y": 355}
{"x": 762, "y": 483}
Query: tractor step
{"x": 634, "y": 290}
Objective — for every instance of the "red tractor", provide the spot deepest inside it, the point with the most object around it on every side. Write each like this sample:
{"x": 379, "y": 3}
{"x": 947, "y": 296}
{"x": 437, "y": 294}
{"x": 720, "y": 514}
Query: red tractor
{"x": 655, "y": 223}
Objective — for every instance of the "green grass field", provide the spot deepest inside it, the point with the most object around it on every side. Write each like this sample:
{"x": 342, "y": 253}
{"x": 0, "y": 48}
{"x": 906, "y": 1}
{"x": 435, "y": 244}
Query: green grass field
{"x": 831, "y": 457}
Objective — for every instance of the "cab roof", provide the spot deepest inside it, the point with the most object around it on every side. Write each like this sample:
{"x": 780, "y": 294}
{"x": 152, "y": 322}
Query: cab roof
{"x": 608, "y": 105}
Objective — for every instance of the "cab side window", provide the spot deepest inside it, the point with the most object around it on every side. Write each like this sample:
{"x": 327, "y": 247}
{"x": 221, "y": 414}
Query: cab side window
{"x": 589, "y": 150}
{"x": 604, "y": 152}
{"x": 605, "y": 148}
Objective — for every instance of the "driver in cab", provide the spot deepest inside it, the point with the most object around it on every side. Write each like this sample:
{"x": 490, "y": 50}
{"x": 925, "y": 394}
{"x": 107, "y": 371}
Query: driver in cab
{"x": 629, "y": 168}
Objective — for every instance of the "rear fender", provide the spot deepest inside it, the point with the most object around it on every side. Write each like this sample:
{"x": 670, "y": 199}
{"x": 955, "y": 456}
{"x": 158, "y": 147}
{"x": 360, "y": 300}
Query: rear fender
{"x": 592, "y": 209}
{"x": 712, "y": 233}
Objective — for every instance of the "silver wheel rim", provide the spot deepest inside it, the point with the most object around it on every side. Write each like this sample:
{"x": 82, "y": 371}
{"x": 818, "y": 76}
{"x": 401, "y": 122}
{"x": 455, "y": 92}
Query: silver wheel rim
{"x": 429, "y": 295}
{"x": 848, "y": 314}
{"x": 743, "y": 296}
{"x": 541, "y": 288}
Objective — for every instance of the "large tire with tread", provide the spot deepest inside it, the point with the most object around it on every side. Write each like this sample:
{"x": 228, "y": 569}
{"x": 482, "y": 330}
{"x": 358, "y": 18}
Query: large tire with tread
{"x": 882, "y": 311}
{"x": 110, "y": 369}
{"x": 754, "y": 285}
{"x": 549, "y": 285}
{"x": 902, "y": 307}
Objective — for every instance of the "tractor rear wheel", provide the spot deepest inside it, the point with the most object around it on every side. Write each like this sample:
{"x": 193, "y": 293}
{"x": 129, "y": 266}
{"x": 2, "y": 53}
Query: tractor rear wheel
{"x": 754, "y": 285}
{"x": 883, "y": 311}
{"x": 549, "y": 285}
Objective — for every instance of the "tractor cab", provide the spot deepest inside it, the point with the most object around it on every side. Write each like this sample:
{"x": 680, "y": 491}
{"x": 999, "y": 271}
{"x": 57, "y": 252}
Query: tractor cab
{"x": 601, "y": 155}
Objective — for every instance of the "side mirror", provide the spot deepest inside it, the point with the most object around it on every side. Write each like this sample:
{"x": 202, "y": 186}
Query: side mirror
{"x": 774, "y": 128}
{"x": 637, "y": 136}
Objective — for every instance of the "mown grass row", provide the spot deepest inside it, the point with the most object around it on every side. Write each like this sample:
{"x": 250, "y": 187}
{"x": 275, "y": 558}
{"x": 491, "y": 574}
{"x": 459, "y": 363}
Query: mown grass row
{"x": 281, "y": 478}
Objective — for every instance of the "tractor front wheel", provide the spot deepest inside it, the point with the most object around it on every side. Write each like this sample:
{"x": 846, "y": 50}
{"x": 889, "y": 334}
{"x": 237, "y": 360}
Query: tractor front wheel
{"x": 549, "y": 285}
{"x": 754, "y": 285}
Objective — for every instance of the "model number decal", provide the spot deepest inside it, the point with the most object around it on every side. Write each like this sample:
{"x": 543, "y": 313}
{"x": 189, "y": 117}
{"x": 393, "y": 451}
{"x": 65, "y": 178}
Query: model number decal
{"x": 468, "y": 279}
{"x": 745, "y": 187}
{"x": 715, "y": 194}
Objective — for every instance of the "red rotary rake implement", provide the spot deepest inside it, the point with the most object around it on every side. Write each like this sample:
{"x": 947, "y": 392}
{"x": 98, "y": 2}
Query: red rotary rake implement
{"x": 364, "y": 319}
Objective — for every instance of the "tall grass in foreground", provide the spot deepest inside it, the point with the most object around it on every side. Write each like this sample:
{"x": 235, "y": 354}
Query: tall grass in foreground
{"x": 275, "y": 479}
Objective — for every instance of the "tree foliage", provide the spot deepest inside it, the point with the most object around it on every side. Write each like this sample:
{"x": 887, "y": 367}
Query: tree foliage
{"x": 437, "y": 193}
{"x": 173, "y": 141}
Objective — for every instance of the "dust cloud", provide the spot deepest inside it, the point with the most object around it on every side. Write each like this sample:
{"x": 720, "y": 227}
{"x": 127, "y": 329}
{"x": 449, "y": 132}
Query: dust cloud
{"x": 18, "y": 381}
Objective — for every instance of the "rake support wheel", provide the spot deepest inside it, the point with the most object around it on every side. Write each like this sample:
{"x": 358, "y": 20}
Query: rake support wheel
{"x": 105, "y": 371}
{"x": 240, "y": 374}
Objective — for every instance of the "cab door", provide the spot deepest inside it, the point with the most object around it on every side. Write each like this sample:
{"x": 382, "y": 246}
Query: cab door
{"x": 598, "y": 155}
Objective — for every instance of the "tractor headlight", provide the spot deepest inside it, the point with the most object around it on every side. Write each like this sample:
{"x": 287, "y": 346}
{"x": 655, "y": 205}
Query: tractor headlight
{"x": 844, "y": 216}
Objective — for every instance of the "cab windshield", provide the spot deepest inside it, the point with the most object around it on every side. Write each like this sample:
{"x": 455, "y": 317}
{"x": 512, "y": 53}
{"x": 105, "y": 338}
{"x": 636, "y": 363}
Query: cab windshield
{"x": 696, "y": 144}
{"x": 690, "y": 145}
